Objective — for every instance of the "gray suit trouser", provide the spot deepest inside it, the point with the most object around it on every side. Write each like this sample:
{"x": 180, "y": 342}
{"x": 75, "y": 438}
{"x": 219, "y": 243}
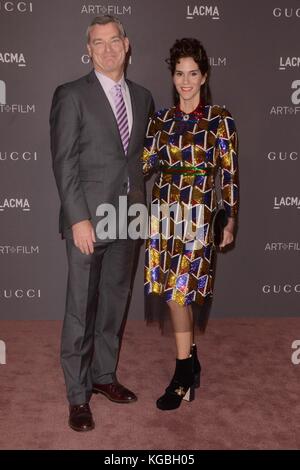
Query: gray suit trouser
{"x": 97, "y": 295}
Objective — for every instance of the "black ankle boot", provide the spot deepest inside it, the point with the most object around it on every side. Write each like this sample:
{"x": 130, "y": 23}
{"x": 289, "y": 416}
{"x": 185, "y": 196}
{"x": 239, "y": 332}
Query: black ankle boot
{"x": 181, "y": 386}
{"x": 196, "y": 366}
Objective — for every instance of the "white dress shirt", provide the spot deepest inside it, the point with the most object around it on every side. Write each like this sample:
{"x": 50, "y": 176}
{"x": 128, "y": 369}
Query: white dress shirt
{"x": 108, "y": 85}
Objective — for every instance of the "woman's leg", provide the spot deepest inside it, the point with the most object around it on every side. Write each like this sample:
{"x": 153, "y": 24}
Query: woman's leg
{"x": 182, "y": 321}
{"x": 183, "y": 324}
{"x": 182, "y": 383}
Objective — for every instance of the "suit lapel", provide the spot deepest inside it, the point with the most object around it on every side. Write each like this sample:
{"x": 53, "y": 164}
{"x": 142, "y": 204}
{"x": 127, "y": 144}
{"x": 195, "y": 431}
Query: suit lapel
{"x": 134, "y": 115}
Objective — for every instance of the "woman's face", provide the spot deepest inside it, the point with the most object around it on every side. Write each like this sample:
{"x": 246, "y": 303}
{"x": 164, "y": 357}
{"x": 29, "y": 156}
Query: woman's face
{"x": 188, "y": 79}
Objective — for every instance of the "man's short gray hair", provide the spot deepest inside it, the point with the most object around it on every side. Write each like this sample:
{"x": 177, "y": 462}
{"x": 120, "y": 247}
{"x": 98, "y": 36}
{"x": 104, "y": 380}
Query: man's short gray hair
{"x": 105, "y": 19}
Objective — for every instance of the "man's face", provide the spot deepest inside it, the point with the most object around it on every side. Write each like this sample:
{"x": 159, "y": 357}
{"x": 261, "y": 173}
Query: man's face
{"x": 107, "y": 49}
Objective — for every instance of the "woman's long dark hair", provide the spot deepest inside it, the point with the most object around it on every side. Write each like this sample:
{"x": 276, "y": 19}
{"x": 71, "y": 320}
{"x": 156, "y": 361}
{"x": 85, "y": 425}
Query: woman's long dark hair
{"x": 191, "y": 47}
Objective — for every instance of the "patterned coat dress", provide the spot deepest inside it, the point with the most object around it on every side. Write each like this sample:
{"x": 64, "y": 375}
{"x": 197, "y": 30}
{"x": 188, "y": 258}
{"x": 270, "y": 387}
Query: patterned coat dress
{"x": 186, "y": 151}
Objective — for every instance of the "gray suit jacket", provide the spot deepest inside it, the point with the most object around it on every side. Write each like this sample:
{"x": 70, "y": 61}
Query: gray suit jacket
{"x": 89, "y": 162}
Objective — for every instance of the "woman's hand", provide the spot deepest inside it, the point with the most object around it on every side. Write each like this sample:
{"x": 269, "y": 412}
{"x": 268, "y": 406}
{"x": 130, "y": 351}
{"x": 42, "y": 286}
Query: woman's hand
{"x": 228, "y": 236}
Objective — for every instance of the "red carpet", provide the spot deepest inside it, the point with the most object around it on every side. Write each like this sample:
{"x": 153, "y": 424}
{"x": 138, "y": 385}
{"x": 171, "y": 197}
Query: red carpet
{"x": 249, "y": 397}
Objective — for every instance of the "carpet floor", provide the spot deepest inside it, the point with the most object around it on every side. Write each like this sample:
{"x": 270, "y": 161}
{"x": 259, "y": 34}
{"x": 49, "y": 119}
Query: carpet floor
{"x": 249, "y": 396}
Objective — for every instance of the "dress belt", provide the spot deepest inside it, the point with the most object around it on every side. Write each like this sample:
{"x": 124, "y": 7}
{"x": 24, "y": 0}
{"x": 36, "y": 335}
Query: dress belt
{"x": 186, "y": 170}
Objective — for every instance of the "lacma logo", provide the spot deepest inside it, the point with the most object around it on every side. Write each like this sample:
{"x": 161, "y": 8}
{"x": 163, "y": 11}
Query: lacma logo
{"x": 12, "y": 108}
{"x": 289, "y": 62}
{"x": 11, "y": 203}
{"x": 13, "y": 58}
{"x": 106, "y": 10}
{"x": 286, "y": 201}
{"x": 19, "y": 7}
{"x": 202, "y": 10}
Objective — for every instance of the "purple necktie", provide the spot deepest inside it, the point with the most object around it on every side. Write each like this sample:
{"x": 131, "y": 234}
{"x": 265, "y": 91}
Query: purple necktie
{"x": 121, "y": 116}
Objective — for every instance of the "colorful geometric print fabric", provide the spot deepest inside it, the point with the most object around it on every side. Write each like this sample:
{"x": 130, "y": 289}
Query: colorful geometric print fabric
{"x": 186, "y": 151}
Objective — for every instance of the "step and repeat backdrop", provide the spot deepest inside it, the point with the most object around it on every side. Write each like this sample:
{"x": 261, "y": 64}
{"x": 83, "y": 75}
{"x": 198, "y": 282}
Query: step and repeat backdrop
{"x": 255, "y": 72}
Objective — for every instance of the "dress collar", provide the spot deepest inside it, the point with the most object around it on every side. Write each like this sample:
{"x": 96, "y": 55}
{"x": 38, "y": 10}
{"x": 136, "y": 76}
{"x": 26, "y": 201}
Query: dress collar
{"x": 196, "y": 114}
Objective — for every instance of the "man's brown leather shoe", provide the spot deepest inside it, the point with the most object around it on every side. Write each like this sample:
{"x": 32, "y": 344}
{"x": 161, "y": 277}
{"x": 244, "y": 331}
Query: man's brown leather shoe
{"x": 115, "y": 392}
{"x": 81, "y": 418}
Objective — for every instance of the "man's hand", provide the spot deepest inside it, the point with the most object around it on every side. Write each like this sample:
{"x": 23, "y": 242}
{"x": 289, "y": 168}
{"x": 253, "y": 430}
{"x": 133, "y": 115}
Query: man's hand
{"x": 84, "y": 236}
{"x": 228, "y": 233}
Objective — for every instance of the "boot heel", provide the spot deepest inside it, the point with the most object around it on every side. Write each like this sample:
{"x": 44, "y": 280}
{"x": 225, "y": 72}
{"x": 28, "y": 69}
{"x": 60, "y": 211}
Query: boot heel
{"x": 197, "y": 380}
{"x": 190, "y": 394}
{"x": 196, "y": 366}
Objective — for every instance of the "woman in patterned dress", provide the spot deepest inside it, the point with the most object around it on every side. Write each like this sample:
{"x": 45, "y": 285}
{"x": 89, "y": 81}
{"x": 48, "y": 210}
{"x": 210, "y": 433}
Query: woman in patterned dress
{"x": 186, "y": 145}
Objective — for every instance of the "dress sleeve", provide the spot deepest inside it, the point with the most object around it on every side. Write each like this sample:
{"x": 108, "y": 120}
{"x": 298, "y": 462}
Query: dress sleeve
{"x": 227, "y": 147}
{"x": 150, "y": 156}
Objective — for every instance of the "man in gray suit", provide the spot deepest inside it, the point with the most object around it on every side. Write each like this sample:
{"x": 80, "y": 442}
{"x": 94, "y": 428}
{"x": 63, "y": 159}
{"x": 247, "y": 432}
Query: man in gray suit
{"x": 98, "y": 124}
